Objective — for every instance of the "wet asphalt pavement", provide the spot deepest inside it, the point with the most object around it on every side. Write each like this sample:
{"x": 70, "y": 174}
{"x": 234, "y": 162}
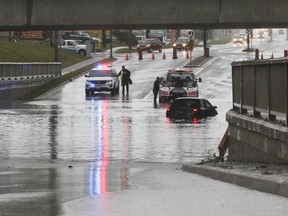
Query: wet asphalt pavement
{"x": 67, "y": 154}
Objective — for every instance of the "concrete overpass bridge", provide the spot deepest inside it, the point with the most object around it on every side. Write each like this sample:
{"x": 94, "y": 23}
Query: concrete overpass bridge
{"x": 141, "y": 14}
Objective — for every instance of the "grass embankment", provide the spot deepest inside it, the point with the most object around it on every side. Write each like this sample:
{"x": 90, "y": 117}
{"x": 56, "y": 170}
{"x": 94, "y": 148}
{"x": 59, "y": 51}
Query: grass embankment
{"x": 35, "y": 52}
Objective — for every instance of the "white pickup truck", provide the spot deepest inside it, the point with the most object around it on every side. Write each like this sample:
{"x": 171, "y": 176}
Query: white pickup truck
{"x": 73, "y": 46}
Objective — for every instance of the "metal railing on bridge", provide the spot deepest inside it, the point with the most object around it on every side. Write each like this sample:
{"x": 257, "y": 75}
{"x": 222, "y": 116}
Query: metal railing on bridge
{"x": 261, "y": 87}
{"x": 15, "y": 71}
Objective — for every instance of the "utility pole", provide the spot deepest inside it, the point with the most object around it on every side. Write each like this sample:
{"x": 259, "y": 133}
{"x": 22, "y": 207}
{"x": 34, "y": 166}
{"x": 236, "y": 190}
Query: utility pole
{"x": 56, "y": 44}
{"x": 111, "y": 56}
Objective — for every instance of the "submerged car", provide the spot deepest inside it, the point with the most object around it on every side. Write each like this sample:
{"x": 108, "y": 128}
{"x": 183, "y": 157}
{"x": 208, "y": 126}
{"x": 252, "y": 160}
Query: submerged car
{"x": 101, "y": 79}
{"x": 190, "y": 108}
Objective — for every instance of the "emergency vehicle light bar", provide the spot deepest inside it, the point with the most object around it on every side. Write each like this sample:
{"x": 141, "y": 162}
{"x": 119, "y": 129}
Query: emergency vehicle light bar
{"x": 103, "y": 66}
{"x": 173, "y": 71}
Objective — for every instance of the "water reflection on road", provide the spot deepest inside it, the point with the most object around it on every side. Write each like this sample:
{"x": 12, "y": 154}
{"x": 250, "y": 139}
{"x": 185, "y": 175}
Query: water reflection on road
{"x": 66, "y": 125}
{"x": 115, "y": 129}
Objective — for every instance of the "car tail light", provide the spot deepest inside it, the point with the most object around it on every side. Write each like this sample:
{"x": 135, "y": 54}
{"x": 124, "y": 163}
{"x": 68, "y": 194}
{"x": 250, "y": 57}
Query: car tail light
{"x": 164, "y": 92}
{"x": 195, "y": 110}
{"x": 192, "y": 93}
{"x": 168, "y": 109}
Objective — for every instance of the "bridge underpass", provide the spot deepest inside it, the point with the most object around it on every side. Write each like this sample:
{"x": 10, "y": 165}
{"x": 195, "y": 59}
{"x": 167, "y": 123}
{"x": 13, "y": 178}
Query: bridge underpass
{"x": 139, "y": 14}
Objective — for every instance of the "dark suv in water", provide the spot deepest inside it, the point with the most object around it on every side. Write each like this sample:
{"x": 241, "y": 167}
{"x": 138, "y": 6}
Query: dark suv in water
{"x": 149, "y": 45}
{"x": 189, "y": 108}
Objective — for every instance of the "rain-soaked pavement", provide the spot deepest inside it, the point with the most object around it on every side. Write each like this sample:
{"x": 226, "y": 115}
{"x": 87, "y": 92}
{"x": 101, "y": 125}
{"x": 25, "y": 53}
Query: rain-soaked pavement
{"x": 64, "y": 154}
{"x": 65, "y": 125}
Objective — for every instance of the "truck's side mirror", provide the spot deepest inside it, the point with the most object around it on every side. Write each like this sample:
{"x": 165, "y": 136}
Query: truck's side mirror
{"x": 199, "y": 79}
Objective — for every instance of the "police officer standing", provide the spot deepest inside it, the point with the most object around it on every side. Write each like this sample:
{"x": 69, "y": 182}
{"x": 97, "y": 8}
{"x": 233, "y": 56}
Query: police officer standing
{"x": 156, "y": 88}
{"x": 125, "y": 79}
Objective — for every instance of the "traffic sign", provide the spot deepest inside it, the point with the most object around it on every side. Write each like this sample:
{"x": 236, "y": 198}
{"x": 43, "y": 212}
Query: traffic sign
{"x": 191, "y": 35}
{"x": 190, "y": 44}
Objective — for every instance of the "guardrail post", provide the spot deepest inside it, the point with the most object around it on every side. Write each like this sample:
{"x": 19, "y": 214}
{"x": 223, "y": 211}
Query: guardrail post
{"x": 256, "y": 54}
{"x": 242, "y": 110}
{"x": 270, "y": 116}
{"x": 255, "y": 113}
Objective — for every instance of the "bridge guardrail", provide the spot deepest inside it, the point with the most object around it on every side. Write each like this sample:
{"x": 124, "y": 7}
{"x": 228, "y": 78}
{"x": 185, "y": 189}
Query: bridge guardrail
{"x": 27, "y": 70}
{"x": 261, "y": 87}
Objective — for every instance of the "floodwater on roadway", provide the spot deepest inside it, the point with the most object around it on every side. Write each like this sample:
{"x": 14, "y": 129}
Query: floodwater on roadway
{"x": 67, "y": 126}
{"x": 116, "y": 128}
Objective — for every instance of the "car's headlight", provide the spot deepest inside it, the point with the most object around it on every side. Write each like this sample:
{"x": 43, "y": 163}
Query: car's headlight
{"x": 174, "y": 45}
{"x": 184, "y": 44}
{"x": 109, "y": 82}
{"x": 90, "y": 84}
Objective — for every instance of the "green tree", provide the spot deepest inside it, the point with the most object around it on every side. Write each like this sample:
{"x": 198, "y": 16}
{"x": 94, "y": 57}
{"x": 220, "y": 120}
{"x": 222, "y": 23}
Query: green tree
{"x": 126, "y": 37}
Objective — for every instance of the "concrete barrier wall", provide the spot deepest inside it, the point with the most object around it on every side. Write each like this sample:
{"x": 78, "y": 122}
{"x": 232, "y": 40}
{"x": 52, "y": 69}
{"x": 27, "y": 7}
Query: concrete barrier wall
{"x": 255, "y": 140}
{"x": 27, "y": 70}
{"x": 16, "y": 90}
{"x": 139, "y": 14}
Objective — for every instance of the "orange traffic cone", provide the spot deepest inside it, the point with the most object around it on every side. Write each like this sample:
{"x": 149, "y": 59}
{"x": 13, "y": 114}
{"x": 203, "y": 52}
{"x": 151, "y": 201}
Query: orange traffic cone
{"x": 187, "y": 55}
{"x": 153, "y": 57}
{"x": 262, "y": 56}
{"x": 127, "y": 56}
{"x": 272, "y": 56}
{"x": 164, "y": 56}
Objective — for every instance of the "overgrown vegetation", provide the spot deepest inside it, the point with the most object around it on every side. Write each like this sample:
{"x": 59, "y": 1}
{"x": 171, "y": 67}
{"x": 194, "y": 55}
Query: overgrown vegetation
{"x": 211, "y": 158}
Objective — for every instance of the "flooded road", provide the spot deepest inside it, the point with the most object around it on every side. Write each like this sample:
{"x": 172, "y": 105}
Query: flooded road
{"x": 65, "y": 154}
{"x": 65, "y": 125}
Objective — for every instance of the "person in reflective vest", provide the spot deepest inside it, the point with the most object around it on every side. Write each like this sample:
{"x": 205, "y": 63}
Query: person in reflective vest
{"x": 125, "y": 79}
{"x": 156, "y": 88}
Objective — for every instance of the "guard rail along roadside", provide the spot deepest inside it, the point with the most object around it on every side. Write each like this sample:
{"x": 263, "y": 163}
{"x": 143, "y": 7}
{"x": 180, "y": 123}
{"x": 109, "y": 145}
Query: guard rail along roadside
{"x": 260, "y": 88}
{"x": 19, "y": 79}
{"x": 30, "y": 70}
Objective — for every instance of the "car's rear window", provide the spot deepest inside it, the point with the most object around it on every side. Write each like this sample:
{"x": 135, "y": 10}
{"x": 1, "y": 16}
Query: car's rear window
{"x": 101, "y": 73}
{"x": 181, "y": 75}
{"x": 147, "y": 41}
{"x": 185, "y": 103}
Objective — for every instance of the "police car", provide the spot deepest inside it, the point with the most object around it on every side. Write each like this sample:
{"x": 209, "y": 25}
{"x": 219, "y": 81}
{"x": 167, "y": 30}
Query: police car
{"x": 102, "y": 79}
{"x": 179, "y": 82}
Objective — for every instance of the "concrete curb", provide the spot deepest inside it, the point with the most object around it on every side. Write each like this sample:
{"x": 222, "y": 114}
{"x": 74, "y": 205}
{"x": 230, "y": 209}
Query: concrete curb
{"x": 199, "y": 61}
{"x": 263, "y": 185}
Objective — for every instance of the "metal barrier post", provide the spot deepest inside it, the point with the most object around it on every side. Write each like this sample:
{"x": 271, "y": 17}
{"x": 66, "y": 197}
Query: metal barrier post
{"x": 174, "y": 53}
{"x": 256, "y": 54}
{"x": 140, "y": 55}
